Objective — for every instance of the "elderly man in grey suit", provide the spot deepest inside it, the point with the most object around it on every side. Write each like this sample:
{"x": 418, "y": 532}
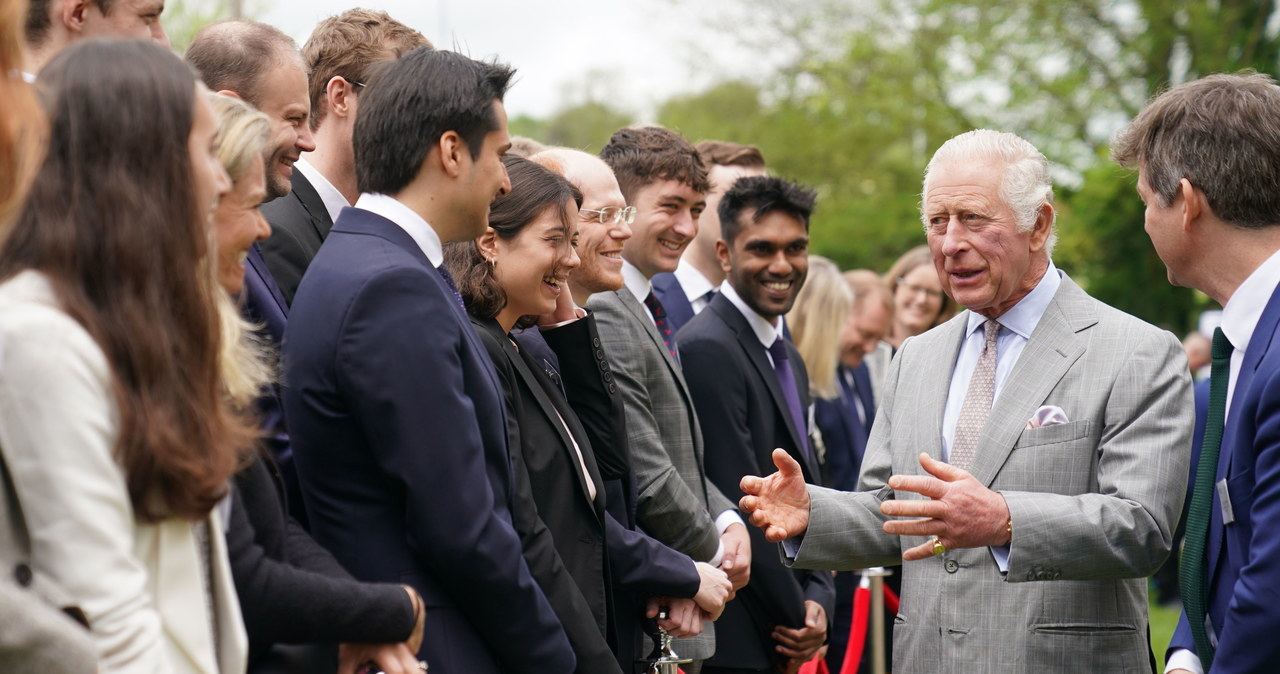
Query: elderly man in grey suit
{"x": 661, "y": 175}
{"x": 1036, "y": 448}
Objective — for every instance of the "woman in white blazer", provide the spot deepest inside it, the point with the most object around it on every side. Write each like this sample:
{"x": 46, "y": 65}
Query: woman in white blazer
{"x": 113, "y": 422}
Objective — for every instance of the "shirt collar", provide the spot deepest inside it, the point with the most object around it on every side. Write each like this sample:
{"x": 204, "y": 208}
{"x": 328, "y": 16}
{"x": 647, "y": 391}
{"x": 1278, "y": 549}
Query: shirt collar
{"x": 766, "y": 333}
{"x": 635, "y": 281}
{"x": 333, "y": 200}
{"x": 1023, "y": 317}
{"x": 1240, "y": 316}
{"x": 409, "y": 221}
{"x": 695, "y": 285}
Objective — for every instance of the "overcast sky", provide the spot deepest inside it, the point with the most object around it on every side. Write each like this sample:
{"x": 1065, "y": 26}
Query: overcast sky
{"x": 635, "y": 53}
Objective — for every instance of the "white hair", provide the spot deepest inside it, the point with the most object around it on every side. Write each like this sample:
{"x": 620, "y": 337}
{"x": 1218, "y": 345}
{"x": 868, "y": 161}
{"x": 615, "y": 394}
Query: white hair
{"x": 1025, "y": 185}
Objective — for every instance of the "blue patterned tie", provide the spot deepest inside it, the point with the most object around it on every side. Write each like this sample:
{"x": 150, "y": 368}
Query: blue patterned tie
{"x": 1191, "y": 569}
{"x": 787, "y": 380}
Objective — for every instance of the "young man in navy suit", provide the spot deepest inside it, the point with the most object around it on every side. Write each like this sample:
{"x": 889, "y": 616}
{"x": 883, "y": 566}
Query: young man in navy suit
{"x": 1208, "y": 160}
{"x": 396, "y": 410}
{"x": 751, "y": 393}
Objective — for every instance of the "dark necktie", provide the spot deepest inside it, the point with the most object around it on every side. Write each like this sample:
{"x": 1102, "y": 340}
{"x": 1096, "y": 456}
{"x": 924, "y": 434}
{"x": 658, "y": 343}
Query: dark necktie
{"x": 787, "y": 380}
{"x": 660, "y": 320}
{"x": 1191, "y": 575}
{"x": 448, "y": 280}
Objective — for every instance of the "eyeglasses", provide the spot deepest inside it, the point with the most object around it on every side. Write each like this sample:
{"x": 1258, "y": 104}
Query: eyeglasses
{"x": 915, "y": 289}
{"x": 351, "y": 82}
{"x": 610, "y": 215}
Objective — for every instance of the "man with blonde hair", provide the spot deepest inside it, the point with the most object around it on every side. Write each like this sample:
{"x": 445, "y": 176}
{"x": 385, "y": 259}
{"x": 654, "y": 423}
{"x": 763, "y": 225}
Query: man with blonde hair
{"x": 338, "y": 56}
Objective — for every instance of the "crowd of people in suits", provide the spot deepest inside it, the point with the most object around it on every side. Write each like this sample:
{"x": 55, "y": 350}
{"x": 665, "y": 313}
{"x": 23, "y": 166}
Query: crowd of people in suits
{"x": 305, "y": 367}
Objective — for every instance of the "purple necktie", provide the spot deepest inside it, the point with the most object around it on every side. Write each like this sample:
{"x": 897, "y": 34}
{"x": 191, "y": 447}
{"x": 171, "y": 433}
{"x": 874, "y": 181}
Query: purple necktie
{"x": 660, "y": 320}
{"x": 448, "y": 280}
{"x": 787, "y": 380}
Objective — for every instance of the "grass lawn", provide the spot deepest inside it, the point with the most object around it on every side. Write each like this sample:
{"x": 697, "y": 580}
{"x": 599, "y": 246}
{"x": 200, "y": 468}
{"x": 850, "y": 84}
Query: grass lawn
{"x": 1163, "y": 621}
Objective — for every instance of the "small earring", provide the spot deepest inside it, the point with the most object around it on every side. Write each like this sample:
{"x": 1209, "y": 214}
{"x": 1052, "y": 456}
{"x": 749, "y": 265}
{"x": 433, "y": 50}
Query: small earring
{"x": 493, "y": 261}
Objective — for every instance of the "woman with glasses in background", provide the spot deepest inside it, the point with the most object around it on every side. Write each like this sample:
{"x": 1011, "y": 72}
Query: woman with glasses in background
{"x": 918, "y": 300}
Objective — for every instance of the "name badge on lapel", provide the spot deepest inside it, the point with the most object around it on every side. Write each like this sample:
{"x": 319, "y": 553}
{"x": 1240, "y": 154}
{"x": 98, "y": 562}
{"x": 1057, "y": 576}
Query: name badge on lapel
{"x": 1224, "y": 496}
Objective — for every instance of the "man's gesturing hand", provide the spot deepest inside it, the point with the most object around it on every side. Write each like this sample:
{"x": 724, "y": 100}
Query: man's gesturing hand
{"x": 779, "y": 503}
{"x": 960, "y": 511}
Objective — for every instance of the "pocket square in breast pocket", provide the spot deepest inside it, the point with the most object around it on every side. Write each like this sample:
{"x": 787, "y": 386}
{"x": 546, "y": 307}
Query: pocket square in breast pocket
{"x": 1049, "y": 415}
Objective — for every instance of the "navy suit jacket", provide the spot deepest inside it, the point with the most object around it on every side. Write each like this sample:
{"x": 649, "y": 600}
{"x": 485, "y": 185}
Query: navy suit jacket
{"x": 667, "y": 288}
{"x": 843, "y": 433}
{"x": 263, "y": 304}
{"x": 1244, "y": 555}
{"x": 744, "y": 416}
{"x": 398, "y": 418}
{"x": 299, "y": 224}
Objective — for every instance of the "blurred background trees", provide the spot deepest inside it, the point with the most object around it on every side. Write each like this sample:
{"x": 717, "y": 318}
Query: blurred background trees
{"x": 865, "y": 90}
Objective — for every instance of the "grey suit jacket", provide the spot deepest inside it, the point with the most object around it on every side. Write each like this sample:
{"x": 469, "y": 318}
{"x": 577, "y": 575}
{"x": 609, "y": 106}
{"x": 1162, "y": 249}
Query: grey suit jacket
{"x": 677, "y": 503}
{"x": 1094, "y": 501}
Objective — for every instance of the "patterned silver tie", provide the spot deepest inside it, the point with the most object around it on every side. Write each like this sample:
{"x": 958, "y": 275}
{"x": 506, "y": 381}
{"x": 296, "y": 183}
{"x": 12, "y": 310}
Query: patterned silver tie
{"x": 977, "y": 400}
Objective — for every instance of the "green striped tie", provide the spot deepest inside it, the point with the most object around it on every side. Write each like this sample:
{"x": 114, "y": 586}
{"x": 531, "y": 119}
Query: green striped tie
{"x": 1191, "y": 574}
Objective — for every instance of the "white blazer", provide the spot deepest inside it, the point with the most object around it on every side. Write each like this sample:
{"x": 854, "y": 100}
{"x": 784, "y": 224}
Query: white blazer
{"x": 142, "y": 585}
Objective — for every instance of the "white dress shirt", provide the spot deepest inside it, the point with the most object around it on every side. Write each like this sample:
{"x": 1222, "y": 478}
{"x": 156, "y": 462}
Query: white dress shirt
{"x": 695, "y": 285}
{"x": 406, "y": 219}
{"x": 333, "y": 200}
{"x": 1239, "y": 318}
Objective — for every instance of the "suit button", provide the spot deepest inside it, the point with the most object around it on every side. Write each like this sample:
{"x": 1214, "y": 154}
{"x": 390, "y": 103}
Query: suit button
{"x": 600, "y": 354}
{"x": 951, "y": 566}
{"x": 608, "y": 376}
{"x": 604, "y": 365}
{"x": 612, "y": 388}
{"x": 595, "y": 341}
{"x": 22, "y": 574}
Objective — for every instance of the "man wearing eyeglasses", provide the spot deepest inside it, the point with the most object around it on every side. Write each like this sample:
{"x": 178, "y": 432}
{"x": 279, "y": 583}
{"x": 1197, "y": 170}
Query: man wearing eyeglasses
{"x": 687, "y": 291}
{"x": 660, "y": 173}
{"x": 338, "y": 56}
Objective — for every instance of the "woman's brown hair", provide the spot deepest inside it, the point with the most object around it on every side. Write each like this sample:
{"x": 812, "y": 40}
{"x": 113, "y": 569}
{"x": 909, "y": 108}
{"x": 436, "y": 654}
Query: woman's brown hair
{"x": 534, "y": 189}
{"x": 112, "y": 221}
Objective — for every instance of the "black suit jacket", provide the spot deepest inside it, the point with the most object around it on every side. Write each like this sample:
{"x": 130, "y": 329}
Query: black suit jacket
{"x": 744, "y": 416}
{"x": 299, "y": 224}
{"x": 291, "y": 589}
{"x": 843, "y": 433}
{"x": 639, "y": 565}
{"x": 401, "y": 443}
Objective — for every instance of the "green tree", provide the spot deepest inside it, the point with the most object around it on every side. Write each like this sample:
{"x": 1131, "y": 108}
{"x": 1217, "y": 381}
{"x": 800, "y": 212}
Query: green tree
{"x": 868, "y": 90}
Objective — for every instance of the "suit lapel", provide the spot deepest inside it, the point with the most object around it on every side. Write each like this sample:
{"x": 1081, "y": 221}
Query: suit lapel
{"x": 312, "y": 204}
{"x": 1259, "y": 344}
{"x": 642, "y": 315}
{"x": 759, "y": 358}
{"x": 1053, "y": 347}
{"x": 554, "y": 415}
{"x": 933, "y": 398}
{"x": 358, "y": 221}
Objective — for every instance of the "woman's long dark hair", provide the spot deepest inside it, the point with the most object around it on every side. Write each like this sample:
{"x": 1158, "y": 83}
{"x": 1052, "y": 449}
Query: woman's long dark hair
{"x": 112, "y": 221}
{"x": 534, "y": 189}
